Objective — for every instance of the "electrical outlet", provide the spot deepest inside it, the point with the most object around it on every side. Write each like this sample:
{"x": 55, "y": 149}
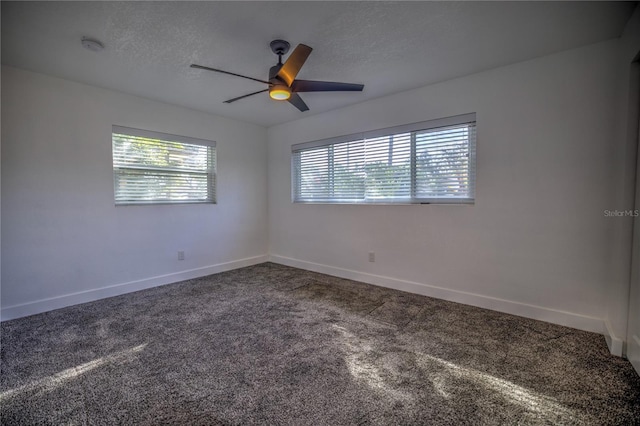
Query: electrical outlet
{"x": 372, "y": 256}
{"x": 180, "y": 255}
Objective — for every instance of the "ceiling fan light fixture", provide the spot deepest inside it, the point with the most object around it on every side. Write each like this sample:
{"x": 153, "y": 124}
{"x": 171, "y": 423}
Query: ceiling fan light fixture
{"x": 280, "y": 92}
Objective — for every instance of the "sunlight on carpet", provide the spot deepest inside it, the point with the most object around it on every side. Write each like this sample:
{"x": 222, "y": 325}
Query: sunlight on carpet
{"x": 545, "y": 407}
{"x": 441, "y": 372}
{"x": 363, "y": 370}
{"x": 49, "y": 383}
{"x": 269, "y": 344}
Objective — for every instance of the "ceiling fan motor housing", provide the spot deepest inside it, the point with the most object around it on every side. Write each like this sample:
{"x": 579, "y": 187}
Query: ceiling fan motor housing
{"x": 279, "y": 89}
{"x": 273, "y": 72}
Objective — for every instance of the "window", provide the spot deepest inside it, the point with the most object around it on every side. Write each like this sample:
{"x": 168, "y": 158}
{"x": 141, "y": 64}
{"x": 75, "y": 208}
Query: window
{"x": 428, "y": 162}
{"x": 157, "y": 168}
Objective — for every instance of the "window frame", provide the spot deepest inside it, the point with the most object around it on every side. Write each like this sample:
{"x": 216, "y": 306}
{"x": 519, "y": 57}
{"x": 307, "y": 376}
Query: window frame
{"x": 211, "y": 173}
{"x": 412, "y": 128}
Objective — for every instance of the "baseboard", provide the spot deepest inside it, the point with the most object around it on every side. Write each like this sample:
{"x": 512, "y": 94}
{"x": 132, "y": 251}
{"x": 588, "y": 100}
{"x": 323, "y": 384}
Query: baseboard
{"x": 44, "y": 305}
{"x": 568, "y": 319}
{"x": 615, "y": 344}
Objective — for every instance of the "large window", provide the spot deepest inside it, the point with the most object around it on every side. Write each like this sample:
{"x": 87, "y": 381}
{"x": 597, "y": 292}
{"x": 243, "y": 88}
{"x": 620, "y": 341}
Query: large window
{"x": 427, "y": 162}
{"x": 157, "y": 168}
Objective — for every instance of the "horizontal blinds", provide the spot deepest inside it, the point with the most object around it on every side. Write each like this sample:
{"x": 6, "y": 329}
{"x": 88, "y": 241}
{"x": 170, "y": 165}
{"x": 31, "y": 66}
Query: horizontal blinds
{"x": 156, "y": 168}
{"x": 436, "y": 164}
{"x": 405, "y": 128}
{"x": 388, "y": 167}
{"x": 333, "y": 172}
{"x": 445, "y": 163}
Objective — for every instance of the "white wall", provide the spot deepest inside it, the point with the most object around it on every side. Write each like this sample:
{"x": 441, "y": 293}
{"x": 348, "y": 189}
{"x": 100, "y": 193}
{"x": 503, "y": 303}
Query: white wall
{"x": 536, "y": 241}
{"x": 64, "y": 241}
{"x": 626, "y": 142}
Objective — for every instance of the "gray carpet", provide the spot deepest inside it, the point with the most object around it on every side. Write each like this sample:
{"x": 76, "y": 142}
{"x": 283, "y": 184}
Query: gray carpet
{"x": 271, "y": 344}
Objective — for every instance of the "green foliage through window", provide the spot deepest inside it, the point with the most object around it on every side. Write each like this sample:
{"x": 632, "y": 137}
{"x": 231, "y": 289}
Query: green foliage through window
{"x": 422, "y": 165}
{"x": 156, "y": 168}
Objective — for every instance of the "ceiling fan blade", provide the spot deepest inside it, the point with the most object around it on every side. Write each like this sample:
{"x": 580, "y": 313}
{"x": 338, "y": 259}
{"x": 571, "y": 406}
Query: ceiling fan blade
{"x": 324, "y": 86}
{"x": 294, "y": 62}
{"x": 227, "y": 72}
{"x": 245, "y": 96}
{"x": 297, "y": 102}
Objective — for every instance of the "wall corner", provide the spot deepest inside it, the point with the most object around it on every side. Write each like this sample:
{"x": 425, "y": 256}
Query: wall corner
{"x": 614, "y": 343}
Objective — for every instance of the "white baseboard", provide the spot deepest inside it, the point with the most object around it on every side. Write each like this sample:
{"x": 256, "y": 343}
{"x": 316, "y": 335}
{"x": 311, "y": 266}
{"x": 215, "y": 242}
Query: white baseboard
{"x": 44, "y": 305}
{"x": 615, "y": 344}
{"x": 568, "y": 319}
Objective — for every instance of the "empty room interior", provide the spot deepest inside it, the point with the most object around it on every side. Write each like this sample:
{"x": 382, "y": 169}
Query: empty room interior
{"x": 320, "y": 213}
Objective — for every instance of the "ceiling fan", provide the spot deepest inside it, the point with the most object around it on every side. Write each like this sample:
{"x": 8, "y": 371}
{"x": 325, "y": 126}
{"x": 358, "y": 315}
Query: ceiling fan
{"x": 283, "y": 85}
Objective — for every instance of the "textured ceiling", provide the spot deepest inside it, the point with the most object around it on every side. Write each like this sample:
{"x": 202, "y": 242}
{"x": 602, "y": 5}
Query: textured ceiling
{"x": 389, "y": 47}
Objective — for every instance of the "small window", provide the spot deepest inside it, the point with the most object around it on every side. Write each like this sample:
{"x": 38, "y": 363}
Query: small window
{"x": 427, "y": 162}
{"x": 158, "y": 168}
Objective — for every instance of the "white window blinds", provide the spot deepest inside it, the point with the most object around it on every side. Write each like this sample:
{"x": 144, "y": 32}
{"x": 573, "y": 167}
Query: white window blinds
{"x": 158, "y": 168}
{"x": 428, "y": 162}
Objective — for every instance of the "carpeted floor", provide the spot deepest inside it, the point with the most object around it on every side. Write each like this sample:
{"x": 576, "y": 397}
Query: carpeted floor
{"x": 271, "y": 344}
